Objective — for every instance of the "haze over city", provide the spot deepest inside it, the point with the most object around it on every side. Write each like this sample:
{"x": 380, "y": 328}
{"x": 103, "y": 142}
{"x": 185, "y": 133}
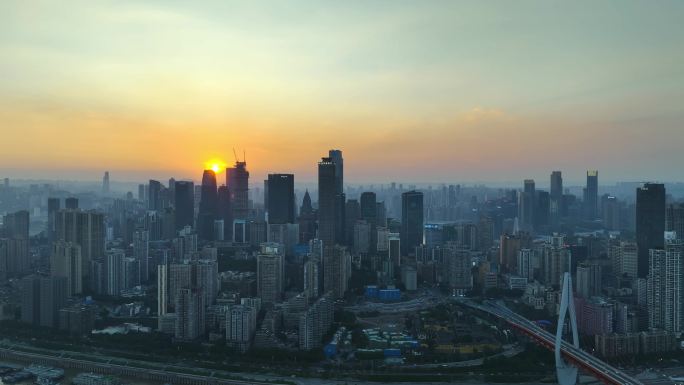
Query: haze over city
{"x": 422, "y": 92}
{"x": 317, "y": 192}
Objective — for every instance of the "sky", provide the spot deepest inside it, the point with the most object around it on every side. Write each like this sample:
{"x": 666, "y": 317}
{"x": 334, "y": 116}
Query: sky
{"x": 413, "y": 91}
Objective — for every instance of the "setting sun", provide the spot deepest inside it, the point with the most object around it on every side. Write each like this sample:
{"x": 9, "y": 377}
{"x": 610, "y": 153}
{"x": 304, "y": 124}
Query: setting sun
{"x": 215, "y": 165}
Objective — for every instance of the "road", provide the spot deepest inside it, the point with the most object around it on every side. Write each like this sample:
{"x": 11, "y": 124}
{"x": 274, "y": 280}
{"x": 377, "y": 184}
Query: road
{"x": 596, "y": 367}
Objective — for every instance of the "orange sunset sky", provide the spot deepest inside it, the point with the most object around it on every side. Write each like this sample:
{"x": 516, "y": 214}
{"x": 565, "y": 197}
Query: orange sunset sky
{"x": 409, "y": 90}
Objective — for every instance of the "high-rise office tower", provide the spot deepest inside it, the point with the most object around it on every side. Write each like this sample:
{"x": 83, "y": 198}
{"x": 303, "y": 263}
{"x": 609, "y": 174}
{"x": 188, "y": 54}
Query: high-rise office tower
{"x": 556, "y": 260}
{"x": 555, "y": 197}
{"x": 307, "y": 220}
{"x": 650, "y": 223}
{"x": 369, "y": 214}
{"x": 185, "y": 204}
{"x": 113, "y": 271}
{"x": 526, "y": 205}
{"x": 41, "y": 299}
{"x": 162, "y": 289}
{"x": 352, "y": 214}
{"x": 105, "y": 183}
{"x": 208, "y": 206}
{"x": 53, "y": 206}
{"x": 675, "y": 219}
{"x": 311, "y": 273}
{"x": 224, "y": 212}
{"x": 509, "y": 248}
{"x": 270, "y": 273}
{"x": 591, "y": 195}
{"x": 326, "y": 201}
{"x": 280, "y": 198}
{"x": 340, "y": 197}
{"x": 588, "y": 281}
{"x": 65, "y": 261}
{"x": 87, "y": 229}
{"x": 29, "y": 288}
{"x": 141, "y": 252}
{"x": 394, "y": 251}
{"x": 14, "y": 247}
{"x": 556, "y": 190}
{"x": 237, "y": 180}
{"x": 624, "y": 257}
{"x": 459, "y": 267}
{"x": 411, "y": 221}
{"x": 16, "y": 225}
{"x": 336, "y": 157}
{"x": 664, "y": 285}
{"x": 336, "y": 270}
{"x": 542, "y": 210}
{"x": 71, "y": 203}
{"x": 154, "y": 195}
{"x": 53, "y": 295}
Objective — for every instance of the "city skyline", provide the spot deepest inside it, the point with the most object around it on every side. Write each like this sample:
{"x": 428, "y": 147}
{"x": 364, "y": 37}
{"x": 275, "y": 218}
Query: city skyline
{"x": 448, "y": 90}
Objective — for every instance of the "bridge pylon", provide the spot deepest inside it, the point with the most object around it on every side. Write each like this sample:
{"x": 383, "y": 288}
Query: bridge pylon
{"x": 566, "y": 372}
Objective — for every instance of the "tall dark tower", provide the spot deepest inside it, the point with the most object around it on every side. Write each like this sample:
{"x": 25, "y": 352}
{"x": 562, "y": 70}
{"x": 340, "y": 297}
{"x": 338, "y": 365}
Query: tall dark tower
{"x": 105, "y": 183}
{"x": 154, "y": 195}
{"x": 411, "y": 221}
{"x": 224, "y": 213}
{"x": 307, "y": 220}
{"x": 185, "y": 204}
{"x": 650, "y": 223}
{"x": 327, "y": 193}
{"x": 71, "y": 203}
{"x": 208, "y": 206}
{"x": 591, "y": 195}
{"x": 352, "y": 213}
{"x": 369, "y": 213}
{"x": 53, "y": 206}
{"x": 556, "y": 192}
{"x": 340, "y": 197}
{"x": 280, "y": 198}
{"x": 237, "y": 180}
{"x": 336, "y": 156}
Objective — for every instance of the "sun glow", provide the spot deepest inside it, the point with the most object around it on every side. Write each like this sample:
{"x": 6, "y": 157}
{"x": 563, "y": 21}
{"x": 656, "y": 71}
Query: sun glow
{"x": 215, "y": 165}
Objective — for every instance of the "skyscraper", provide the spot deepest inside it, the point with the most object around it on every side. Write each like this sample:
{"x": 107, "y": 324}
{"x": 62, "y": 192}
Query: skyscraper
{"x": 591, "y": 195}
{"x": 185, "y": 204}
{"x": 352, "y": 213}
{"x": 208, "y": 206}
{"x": 280, "y": 198}
{"x": 224, "y": 212}
{"x": 141, "y": 252}
{"x": 87, "y": 229}
{"x": 237, "y": 180}
{"x": 369, "y": 213}
{"x": 664, "y": 285}
{"x": 650, "y": 223}
{"x": 340, "y": 197}
{"x": 190, "y": 314}
{"x": 270, "y": 269}
{"x": 411, "y": 221}
{"x": 71, "y": 203}
{"x": 307, "y": 220}
{"x": 555, "y": 197}
{"x": 526, "y": 205}
{"x": 53, "y": 206}
{"x": 336, "y": 157}
{"x": 65, "y": 261}
{"x": 105, "y": 183}
{"x": 556, "y": 190}
{"x": 326, "y": 201}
